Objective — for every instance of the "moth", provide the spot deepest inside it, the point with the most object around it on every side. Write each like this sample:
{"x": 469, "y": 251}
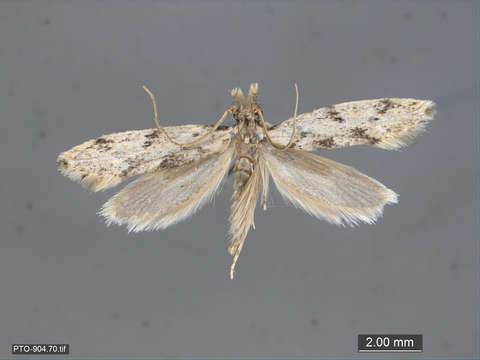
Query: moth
{"x": 181, "y": 167}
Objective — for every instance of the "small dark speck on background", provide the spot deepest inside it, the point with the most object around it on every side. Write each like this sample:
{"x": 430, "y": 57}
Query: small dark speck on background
{"x": 115, "y": 315}
{"x": 407, "y": 15}
{"x": 39, "y": 113}
{"x": 316, "y": 35}
{"x": 146, "y": 323}
{"x": 19, "y": 230}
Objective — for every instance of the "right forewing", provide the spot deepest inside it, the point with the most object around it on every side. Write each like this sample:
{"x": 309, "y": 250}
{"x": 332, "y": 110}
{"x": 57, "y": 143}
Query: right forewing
{"x": 388, "y": 123}
{"x": 325, "y": 188}
{"x": 160, "y": 199}
{"x": 104, "y": 162}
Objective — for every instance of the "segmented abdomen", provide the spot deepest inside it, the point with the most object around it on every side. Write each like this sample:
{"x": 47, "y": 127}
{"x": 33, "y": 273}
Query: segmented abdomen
{"x": 245, "y": 164}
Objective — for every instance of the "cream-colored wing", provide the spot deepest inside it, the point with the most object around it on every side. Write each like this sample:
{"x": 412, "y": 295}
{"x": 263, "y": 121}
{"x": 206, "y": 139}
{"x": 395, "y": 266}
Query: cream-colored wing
{"x": 160, "y": 199}
{"x": 384, "y": 123}
{"x": 325, "y": 188}
{"x": 104, "y": 162}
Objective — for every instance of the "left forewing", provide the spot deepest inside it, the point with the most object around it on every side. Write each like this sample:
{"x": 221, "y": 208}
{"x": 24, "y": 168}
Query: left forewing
{"x": 388, "y": 123}
{"x": 106, "y": 161}
{"x": 160, "y": 199}
{"x": 327, "y": 189}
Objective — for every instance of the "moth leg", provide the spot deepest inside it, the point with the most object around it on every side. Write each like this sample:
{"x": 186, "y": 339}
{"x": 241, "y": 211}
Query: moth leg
{"x": 264, "y": 195}
{"x": 235, "y": 249}
{"x": 161, "y": 129}
{"x": 269, "y": 125}
{"x": 265, "y": 180}
{"x": 264, "y": 126}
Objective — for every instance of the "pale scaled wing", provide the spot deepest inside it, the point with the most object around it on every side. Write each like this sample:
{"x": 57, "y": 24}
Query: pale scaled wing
{"x": 388, "y": 123}
{"x": 326, "y": 189}
{"x": 106, "y": 161}
{"x": 160, "y": 199}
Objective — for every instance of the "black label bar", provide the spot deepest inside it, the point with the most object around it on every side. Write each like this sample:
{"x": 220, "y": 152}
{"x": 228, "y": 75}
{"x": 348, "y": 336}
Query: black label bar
{"x": 390, "y": 343}
{"x": 40, "y": 349}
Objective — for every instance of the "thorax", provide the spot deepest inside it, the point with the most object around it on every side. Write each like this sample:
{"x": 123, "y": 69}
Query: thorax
{"x": 247, "y": 145}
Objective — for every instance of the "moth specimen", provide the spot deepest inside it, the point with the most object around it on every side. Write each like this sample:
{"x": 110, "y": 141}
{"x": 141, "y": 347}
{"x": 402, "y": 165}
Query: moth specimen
{"x": 182, "y": 167}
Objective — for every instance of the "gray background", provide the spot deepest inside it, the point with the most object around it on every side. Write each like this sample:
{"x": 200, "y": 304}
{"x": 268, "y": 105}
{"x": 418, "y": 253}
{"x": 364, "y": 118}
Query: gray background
{"x": 70, "y": 71}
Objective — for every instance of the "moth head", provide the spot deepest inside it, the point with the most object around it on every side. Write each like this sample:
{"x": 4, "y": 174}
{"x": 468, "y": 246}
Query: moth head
{"x": 244, "y": 108}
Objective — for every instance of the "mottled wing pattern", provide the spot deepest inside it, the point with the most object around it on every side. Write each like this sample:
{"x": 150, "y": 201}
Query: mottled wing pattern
{"x": 325, "y": 188}
{"x": 160, "y": 199}
{"x": 388, "y": 123}
{"x": 104, "y": 162}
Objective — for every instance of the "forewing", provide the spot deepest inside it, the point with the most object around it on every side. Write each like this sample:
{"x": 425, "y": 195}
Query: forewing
{"x": 160, "y": 199}
{"x": 325, "y": 188}
{"x": 104, "y": 162}
{"x": 388, "y": 123}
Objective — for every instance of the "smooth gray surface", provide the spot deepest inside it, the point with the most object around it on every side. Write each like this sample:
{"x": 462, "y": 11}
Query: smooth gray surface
{"x": 70, "y": 71}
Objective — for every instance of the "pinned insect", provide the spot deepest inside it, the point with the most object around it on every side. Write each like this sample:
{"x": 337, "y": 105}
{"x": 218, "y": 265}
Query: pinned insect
{"x": 182, "y": 167}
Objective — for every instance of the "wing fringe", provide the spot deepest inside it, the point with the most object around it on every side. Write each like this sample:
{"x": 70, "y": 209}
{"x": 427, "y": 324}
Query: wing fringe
{"x": 326, "y": 189}
{"x": 137, "y": 205}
